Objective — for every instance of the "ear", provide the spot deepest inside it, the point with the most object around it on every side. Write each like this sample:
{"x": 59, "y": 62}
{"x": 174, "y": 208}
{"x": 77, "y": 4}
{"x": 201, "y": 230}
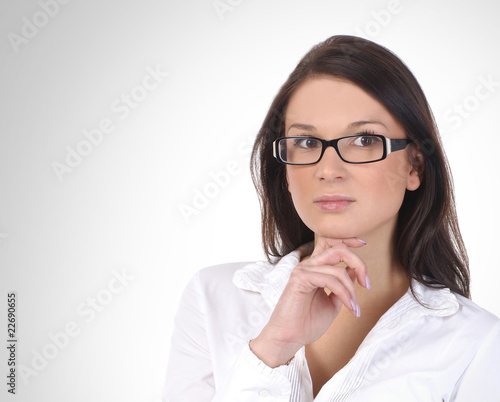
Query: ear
{"x": 413, "y": 181}
{"x": 415, "y": 176}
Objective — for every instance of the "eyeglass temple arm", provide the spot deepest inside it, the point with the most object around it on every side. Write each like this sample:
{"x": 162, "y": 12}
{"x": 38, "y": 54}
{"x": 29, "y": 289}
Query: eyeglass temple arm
{"x": 396, "y": 145}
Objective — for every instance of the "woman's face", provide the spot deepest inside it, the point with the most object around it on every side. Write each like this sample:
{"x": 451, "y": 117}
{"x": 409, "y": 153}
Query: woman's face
{"x": 336, "y": 199}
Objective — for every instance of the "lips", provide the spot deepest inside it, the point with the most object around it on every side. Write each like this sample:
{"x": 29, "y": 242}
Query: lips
{"x": 333, "y": 202}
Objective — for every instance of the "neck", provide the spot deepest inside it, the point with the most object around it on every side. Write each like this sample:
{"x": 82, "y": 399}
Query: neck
{"x": 384, "y": 269}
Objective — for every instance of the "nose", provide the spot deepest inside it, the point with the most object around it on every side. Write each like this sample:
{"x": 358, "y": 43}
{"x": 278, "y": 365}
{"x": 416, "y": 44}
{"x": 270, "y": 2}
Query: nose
{"x": 331, "y": 167}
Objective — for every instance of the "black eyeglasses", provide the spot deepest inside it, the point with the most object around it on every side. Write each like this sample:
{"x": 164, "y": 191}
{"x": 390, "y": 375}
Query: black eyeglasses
{"x": 360, "y": 148}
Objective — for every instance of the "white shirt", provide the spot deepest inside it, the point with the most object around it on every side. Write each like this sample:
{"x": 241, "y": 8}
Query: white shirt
{"x": 449, "y": 351}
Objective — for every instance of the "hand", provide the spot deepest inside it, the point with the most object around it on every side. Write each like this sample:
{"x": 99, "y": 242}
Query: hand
{"x": 305, "y": 311}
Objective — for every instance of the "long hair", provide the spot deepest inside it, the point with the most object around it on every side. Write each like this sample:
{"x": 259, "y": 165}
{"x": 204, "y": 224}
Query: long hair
{"x": 428, "y": 240}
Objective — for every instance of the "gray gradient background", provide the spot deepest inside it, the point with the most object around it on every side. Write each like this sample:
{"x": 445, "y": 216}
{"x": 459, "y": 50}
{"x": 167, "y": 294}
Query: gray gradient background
{"x": 119, "y": 209}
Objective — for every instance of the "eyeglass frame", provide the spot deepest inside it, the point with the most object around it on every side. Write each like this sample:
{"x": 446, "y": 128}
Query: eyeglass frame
{"x": 390, "y": 145}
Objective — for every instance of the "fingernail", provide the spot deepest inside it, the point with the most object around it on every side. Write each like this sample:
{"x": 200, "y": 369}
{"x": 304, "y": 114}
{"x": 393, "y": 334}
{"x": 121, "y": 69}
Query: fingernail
{"x": 367, "y": 281}
{"x": 353, "y": 305}
{"x": 361, "y": 240}
{"x": 358, "y": 311}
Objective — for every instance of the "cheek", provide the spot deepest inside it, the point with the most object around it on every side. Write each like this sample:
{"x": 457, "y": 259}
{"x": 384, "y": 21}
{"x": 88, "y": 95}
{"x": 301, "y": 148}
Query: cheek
{"x": 389, "y": 183}
{"x": 298, "y": 181}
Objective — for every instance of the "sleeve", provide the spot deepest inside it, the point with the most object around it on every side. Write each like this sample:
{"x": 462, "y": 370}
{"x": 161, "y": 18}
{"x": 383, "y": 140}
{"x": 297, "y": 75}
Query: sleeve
{"x": 480, "y": 382}
{"x": 190, "y": 371}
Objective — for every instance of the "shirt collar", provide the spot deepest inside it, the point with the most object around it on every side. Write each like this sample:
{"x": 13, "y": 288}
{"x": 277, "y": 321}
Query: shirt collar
{"x": 270, "y": 279}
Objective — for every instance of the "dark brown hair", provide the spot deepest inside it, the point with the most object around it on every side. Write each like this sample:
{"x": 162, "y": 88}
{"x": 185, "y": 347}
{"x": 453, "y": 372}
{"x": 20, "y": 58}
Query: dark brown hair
{"x": 428, "y": 240}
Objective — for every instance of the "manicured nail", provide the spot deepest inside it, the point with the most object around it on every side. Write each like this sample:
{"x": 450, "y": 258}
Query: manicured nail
{"x": 358, "y": 311}
{"x": 367, "y": 280}
{"x": 353, "y": 306}
{"x": 361, "y": 240}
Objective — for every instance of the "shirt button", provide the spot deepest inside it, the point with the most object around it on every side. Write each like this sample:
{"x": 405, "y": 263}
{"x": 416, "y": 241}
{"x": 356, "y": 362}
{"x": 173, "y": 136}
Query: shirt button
{"x": 263, "y": 392}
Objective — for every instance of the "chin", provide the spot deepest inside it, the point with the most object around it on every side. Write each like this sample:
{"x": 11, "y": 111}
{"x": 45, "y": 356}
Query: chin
{"x": 336, "y": 231}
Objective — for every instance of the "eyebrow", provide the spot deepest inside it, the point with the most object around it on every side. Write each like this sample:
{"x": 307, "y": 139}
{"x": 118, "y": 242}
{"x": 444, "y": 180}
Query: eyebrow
{"x": 354, "y": 124}
{"x": 301, "y": 126}
{"x": 363, "y": 122}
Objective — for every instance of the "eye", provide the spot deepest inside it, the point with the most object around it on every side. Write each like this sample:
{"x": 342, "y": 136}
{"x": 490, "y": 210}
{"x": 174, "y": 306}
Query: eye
{"x": 307, "y": 143}
{"x": 365, "y": 141}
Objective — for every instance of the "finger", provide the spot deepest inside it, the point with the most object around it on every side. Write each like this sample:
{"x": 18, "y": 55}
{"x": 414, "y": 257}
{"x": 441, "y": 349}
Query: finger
{"x": 352, "y": 273}
{"x": 337, "y": 303}
{"x": 337, "y": 255}
{"x": 340, "y": 274}
{"x": 305, "y": 281}
{"x": 354, "y": 242}
{"x": 342, "y": 254}
{"x": 324, "y": 243}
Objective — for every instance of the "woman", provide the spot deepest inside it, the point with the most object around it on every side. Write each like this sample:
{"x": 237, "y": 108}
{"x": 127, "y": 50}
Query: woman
{"x": 365, "y": 295}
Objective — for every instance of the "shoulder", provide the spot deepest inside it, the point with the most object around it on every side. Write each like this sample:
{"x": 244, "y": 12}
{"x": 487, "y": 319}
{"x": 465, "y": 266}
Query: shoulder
{"x": 218, "y": 277}
{"x": 223, "y": 281}
{"x": 453, "y": 321}
{"x": 211, "y": 291}
{"x": 479, "y": 349}
{"x": 456, "y": 311}
{"x": 242, "y": 285}
{"x": 470, "y": 328}
{"x": 262, "y": 277}
{"x": 474, "y": 317}
{"x": 215, "y": 277}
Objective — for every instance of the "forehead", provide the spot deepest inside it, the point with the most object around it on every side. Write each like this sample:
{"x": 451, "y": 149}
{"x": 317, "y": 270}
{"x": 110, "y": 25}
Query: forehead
{"x": 329, "y": 102}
